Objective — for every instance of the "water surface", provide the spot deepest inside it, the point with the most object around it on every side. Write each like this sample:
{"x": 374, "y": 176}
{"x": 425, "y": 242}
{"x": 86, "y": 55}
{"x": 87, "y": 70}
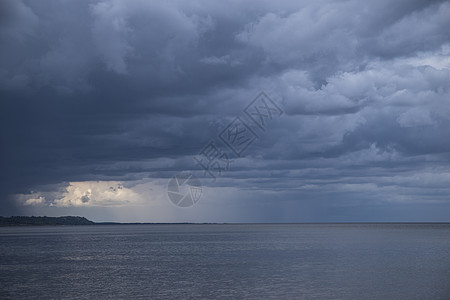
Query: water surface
{"x": 277, "y": 261}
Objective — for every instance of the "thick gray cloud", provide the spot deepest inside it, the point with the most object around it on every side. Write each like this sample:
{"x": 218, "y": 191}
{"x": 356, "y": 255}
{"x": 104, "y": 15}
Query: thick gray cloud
{"x": 96, "y": 95}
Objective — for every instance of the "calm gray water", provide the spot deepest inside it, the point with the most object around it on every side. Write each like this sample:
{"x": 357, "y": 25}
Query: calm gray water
{"x": 292, "y": 261}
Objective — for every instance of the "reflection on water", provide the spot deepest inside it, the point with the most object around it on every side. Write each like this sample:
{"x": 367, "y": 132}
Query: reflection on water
{"x": 292, "y": 261}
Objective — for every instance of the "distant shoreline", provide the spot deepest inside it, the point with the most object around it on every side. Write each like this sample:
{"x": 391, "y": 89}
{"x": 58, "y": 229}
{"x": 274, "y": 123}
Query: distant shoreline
{"x": 42, "y": 221}
{"x": 76, "y": 220}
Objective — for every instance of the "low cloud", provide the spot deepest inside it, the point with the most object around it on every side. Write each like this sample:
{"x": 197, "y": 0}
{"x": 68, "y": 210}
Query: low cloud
{"x": 85, "y": 194}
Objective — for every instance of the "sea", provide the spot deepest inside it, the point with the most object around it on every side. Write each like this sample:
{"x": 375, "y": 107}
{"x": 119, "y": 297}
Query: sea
{"x": 226, "y": 261}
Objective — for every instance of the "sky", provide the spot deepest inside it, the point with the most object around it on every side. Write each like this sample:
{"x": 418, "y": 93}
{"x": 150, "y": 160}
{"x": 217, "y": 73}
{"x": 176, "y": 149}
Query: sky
{"x": 277, "y": 111}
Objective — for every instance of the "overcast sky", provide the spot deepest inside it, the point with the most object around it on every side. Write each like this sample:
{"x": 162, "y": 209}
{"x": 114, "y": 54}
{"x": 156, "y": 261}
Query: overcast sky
{"x": 102, "y": 102}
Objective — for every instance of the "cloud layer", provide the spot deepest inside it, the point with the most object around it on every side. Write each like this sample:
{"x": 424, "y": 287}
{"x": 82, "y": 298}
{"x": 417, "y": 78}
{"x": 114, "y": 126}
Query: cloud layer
{"x": 97, "y": 95}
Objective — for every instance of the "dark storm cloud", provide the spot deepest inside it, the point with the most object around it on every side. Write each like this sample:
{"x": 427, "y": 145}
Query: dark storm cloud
{"x": 115, "y": 90}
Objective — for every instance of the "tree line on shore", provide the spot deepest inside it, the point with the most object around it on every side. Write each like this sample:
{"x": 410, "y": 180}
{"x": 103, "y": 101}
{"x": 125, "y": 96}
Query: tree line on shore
{"x": 30, "y": 221}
